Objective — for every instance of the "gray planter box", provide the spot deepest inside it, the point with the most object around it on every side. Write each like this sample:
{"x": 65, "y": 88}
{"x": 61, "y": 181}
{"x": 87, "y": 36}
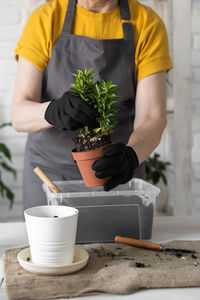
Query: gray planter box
{"x": 127, "y": 210}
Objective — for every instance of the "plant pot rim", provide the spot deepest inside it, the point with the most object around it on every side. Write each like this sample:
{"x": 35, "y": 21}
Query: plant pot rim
{"x": 84, "y": 160}
{"x": 96, "y": 149}
{"x": 89, "y": 154}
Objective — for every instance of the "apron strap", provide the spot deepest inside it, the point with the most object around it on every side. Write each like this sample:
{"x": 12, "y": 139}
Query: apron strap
{"x": 124, "y": 13}
{"x": 69, "y": 16}
{"x": 126, "y": 20}
{"x": 124, "y": 10}
{"x": 129, "y": 34}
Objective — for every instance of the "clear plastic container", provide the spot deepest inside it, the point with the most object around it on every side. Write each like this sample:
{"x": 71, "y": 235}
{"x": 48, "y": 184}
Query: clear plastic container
{"x": 127, "y": 210}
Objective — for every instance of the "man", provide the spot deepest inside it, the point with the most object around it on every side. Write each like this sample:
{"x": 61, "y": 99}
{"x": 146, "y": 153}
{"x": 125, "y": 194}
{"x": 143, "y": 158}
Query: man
{"x": 125, "y": 42}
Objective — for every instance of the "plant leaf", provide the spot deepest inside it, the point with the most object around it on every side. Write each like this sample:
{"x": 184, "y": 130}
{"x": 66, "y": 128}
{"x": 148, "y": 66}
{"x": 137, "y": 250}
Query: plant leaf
{"x": 9, "y": 169}
{"x": 164, "y": 178}
{"x": 5, "y": 124}
{"x": 4, "y": 149}
{"x": 101, "y": 252}
{"x": 5, "y": 191}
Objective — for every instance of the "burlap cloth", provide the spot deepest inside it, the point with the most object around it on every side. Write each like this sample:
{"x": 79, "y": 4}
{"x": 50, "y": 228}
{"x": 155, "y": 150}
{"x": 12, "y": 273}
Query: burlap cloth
{"x": 114, "y": 275}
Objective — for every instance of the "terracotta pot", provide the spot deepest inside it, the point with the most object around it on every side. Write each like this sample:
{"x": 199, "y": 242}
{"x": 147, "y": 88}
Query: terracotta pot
{"x": 84, "y": 161}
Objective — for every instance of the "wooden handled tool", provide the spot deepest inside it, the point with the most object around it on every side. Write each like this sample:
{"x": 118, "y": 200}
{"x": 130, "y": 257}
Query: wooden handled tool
{"x": 148, "y": 245}
{"x": 47, "y": 180}
{"x": 137, "y": 243}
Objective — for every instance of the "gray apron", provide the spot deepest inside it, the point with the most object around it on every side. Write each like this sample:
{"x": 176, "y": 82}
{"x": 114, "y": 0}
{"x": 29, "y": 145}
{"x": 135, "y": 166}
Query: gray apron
{"x": 112, "y": 59}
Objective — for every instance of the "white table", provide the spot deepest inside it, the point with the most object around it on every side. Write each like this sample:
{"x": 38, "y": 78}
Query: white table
{"x": 165, "y": 229}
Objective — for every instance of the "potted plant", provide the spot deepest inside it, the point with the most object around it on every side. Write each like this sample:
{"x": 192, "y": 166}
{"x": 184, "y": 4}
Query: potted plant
{"x": 156, "y": 173}
{"x": 156, "y": 169}
{"x": 91, "y": 141}
{"x": 5, "y": 160}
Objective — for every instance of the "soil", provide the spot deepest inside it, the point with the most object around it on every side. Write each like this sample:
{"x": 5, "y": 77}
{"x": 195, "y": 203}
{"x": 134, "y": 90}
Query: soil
{"x": 91, "y": 141}
{"x": 178, "y": 254}
{"x": 139, "y": 265}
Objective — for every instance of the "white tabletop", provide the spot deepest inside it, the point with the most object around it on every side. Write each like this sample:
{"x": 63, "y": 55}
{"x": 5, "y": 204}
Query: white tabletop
{"x": 165, "y": 229}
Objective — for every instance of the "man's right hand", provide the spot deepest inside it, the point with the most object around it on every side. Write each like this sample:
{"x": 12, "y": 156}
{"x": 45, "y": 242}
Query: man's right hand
{"x": 71, "y": 112}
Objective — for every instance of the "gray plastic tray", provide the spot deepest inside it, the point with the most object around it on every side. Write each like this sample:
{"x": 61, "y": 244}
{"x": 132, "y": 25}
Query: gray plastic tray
{"x": 127, "y": 210}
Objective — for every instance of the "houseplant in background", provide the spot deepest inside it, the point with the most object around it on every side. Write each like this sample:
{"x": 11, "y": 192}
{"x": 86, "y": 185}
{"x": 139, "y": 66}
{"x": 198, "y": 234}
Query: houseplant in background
{"x": 156, "y": 174}
{"x": 90, "y": 141}
{"x": 156, "y": 169}
{"x": 5, "y": 164}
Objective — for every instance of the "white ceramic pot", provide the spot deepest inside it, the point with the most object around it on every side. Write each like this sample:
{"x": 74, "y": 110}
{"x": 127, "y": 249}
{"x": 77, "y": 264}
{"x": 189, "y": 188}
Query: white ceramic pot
{"x": 51, "y": 233}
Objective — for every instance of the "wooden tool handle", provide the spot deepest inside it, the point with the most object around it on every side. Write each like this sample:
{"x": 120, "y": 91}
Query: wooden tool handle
{"x": 137, "y": 243}
{"x": 47, "y": 180}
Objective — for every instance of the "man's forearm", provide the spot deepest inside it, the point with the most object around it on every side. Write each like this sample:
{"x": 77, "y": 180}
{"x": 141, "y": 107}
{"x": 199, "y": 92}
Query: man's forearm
{"x": 27, "y": 113}
{"x": 146, "y": 137}
{"x": 28, "y": 116}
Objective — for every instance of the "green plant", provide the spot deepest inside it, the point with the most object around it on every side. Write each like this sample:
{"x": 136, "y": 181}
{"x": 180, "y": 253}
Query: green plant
{"x": 156, "y": 169}
{"x": 101, "y": 95}
{"x": 5, "y": 163}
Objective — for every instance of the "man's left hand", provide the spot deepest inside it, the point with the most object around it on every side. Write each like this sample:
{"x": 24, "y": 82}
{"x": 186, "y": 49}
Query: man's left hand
{"x": 119, "y": 162}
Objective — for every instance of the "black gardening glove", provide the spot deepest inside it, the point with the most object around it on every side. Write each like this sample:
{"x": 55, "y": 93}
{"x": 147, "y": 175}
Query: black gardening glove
{"x": 71, "y": 112}
{"x": 119, "y": 161}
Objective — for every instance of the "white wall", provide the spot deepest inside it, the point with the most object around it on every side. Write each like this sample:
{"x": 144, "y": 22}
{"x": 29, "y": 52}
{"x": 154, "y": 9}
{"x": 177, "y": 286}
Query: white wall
{"x": 196, "y": 105}
{"x": 12, "y": 19}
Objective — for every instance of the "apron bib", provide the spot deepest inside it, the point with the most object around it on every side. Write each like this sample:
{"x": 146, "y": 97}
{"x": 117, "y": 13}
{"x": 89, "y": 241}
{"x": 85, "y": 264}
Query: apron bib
{"x": 112, "y": 59}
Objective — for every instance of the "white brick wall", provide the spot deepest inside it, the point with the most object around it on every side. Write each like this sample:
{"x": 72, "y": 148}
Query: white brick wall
{"x": 196, "y": 105}
{"x": 12, "y": 19}
{"x": 195, "y": 58}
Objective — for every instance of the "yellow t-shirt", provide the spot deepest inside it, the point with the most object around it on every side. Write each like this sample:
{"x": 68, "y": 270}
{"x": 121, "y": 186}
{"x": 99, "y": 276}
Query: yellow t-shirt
{"x": 45, "y": 25}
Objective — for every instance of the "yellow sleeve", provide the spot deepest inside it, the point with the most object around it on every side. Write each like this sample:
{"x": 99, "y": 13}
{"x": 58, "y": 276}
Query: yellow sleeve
{"x": 34, "y": 43}
{"x": 152, "y": 52}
